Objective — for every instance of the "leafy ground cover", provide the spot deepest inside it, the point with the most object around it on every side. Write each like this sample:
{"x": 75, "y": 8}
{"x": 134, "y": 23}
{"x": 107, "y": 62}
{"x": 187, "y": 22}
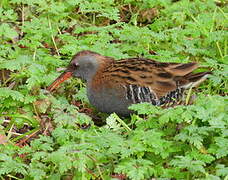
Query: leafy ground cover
{"x": 60, "y": 136}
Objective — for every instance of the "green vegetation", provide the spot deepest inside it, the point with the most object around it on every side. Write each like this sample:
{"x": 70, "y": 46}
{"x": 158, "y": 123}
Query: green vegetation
{"x": 47, "y": 136}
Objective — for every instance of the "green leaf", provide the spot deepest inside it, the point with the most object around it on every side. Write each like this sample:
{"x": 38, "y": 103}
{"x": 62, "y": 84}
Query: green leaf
{"x": 15, "y": 95}
{"x": 143, "y": 168}
{"x": 186, "y": 162}
{"x": 7, "y": 32}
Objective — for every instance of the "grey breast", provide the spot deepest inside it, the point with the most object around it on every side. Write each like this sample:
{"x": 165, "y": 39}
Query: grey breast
{"x": 110, "y": 100}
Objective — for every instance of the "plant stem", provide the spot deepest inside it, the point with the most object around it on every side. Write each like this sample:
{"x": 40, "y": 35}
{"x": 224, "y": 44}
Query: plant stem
{"x": 52, "y": 37}
{"x": 121, "y": 122}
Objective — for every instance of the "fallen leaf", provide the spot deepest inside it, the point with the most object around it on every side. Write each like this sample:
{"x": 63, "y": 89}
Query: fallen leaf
{"x": 42, "y": 105}
{"x": 3, "y": 139}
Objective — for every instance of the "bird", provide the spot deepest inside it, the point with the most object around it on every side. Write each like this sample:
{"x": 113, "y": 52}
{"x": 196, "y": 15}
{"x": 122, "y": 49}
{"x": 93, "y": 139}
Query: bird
{"x": 114, "y": 85}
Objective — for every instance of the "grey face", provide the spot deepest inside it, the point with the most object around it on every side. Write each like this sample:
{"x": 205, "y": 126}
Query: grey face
{"x": 84, "y": 67}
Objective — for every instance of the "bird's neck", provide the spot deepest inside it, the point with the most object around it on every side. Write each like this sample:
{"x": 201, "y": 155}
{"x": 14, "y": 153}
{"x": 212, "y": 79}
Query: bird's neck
{"x": 96, "y": 81}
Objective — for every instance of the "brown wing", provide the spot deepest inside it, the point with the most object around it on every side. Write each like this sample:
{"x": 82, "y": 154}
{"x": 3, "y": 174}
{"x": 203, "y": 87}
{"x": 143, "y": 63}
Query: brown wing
{"x": 161, "y": 78}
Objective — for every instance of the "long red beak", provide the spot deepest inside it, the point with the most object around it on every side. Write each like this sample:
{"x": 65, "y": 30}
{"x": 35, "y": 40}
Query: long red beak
{"x": 63, "y": 77}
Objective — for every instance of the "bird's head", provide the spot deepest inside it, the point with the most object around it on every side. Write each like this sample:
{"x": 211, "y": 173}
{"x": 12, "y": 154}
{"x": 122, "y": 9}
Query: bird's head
{"x": 83, "y": 65}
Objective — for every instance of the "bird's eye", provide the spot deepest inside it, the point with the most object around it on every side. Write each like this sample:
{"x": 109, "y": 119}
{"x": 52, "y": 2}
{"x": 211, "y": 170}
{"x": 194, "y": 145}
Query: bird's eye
{"x": 75, "y": 64}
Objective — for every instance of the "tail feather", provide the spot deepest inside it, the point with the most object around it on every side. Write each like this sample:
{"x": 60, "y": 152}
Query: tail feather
{"x": 196, "y": 78}
{"x": 181, "y": 69}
